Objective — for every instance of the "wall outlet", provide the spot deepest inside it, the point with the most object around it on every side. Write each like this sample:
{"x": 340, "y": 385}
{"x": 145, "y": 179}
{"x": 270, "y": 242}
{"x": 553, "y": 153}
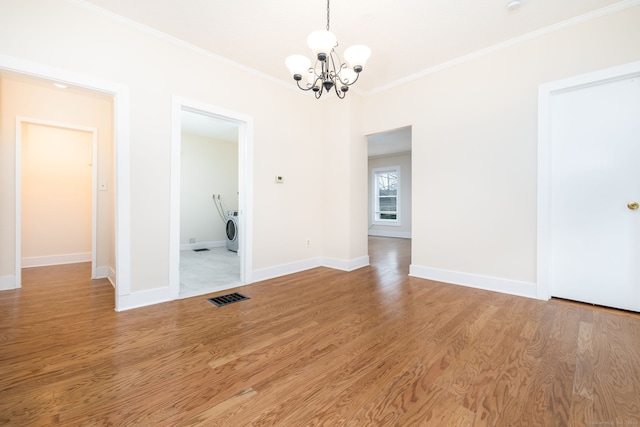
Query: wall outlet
{"x": 279, "y": 179}
{"x": 192, "y": 239}
{"x": 308, "y": 242}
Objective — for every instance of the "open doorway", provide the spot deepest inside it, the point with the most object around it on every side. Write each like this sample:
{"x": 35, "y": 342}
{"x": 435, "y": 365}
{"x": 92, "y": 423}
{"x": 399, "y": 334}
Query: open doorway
{"x": 58, "y": 201}
{"x": 211, "y": 193}
{"x": 209, "y": 250}
{"x": 389, "y": 201}
{"x": 112, "y": 161}
{"x": 62, "y": 147}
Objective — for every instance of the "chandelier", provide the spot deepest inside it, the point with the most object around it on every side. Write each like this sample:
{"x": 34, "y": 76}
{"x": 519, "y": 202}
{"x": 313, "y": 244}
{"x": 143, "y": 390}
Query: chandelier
{"x": 328, "y": 72}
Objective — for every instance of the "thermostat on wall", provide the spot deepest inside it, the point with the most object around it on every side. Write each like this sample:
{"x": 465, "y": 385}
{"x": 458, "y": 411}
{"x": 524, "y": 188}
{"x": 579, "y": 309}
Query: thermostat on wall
{"x": 279, "y": 179}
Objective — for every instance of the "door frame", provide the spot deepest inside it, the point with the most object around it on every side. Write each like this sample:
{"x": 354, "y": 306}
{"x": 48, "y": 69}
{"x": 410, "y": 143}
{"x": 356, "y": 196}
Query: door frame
{"x": 18, "y": 187}
{"x": 545, "y": 180}
{"x": 245, "y": 186}
{"x": 121, "y": 277}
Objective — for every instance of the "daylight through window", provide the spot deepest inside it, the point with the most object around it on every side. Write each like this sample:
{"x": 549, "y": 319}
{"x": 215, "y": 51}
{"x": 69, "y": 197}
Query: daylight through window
{"x": 386, "y": 194}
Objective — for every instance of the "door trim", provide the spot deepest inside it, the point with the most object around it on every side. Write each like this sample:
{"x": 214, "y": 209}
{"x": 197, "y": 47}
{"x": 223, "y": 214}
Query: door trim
{"x": 18, "y": 187}
{"x": 122, "y": 275}
{"x": 545, "y": 93}
{"x": 245, "y": 186}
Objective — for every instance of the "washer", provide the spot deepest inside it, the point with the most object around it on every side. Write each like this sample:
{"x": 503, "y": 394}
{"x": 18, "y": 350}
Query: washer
{"x": 232, "y": 231}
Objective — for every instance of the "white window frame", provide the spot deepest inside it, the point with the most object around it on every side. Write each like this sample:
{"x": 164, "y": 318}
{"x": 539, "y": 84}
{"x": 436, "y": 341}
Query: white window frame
{"x": 376, "y": 220}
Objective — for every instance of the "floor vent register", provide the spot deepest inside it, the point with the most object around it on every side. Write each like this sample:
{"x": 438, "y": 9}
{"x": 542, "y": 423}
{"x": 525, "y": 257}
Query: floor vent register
{"x": 227, "y": 299}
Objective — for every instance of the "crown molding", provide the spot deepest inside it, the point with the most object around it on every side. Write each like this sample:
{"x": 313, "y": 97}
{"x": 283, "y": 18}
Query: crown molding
{"x": 617, "y": 7}
{"x": 179, "y": 42}
{"x": 625, "y": 4}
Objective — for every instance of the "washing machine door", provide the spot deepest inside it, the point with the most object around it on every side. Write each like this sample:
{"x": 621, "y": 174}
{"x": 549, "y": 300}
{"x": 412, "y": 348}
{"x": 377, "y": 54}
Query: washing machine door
{"x": 232, "y": 231}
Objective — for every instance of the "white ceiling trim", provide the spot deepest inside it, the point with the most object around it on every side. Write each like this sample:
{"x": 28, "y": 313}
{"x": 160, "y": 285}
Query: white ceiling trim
{"x": 508, "y": 43}
{"x": 625, "y": 4}
{"x": 194, "y": 48}
{"x": 180, "y": 42}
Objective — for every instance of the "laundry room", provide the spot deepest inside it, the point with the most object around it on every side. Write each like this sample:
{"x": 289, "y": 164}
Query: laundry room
{"x": 208, "y": 204}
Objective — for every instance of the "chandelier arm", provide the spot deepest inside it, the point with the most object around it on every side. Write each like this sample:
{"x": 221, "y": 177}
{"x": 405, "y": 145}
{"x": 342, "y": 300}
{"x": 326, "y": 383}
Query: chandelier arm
{"x": 331, "y": 59}
{"x": 303, "y": 88}
{"x": 342, "y": 65}
{"x": 354, "y": 80}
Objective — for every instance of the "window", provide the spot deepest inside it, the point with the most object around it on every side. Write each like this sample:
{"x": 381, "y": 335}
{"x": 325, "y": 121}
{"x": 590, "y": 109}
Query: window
{"x": 386, "y": 195}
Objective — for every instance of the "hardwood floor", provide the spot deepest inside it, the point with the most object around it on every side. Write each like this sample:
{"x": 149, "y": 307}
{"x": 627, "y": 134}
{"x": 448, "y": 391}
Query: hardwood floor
{"x": 371, "y": 347}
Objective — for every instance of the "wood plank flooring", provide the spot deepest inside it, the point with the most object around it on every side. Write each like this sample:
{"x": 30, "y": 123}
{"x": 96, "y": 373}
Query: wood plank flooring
{"x": 372, "y": 347}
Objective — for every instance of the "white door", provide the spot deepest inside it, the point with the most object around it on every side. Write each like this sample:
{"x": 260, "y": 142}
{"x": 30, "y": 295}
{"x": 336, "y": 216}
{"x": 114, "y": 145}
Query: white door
{"x": 595, "y": 180}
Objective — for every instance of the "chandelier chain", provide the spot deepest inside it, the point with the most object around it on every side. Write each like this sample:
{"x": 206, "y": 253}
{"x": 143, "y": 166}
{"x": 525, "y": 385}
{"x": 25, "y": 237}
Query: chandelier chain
{"x": 327, "y": 15}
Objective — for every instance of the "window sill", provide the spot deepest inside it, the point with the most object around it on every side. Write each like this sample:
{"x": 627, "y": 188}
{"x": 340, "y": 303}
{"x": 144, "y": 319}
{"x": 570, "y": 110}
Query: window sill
{"x": 387, "y": 224}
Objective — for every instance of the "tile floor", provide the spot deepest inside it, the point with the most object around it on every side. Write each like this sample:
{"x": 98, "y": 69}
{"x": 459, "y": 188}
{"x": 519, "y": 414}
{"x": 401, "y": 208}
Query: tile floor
{"x": 208, "y": 271}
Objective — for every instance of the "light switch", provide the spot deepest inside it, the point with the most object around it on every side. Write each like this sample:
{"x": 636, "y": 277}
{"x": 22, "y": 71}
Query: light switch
{"x": 279, "y": 179}
{"x": 103, "y": 186}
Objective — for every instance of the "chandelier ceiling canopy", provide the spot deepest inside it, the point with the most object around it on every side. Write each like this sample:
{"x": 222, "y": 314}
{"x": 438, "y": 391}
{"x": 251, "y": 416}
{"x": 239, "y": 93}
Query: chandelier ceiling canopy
{"x": 329, "y": 71}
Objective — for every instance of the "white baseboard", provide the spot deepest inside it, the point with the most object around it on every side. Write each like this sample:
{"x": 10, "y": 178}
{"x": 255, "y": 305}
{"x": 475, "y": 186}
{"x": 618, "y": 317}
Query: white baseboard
{"x": 111, "y": 276}
{"x": 296, "y": 267}
{"x": 7, "y": 283}
{"x": 345, "y": 265}
{"x": 55, "y": 260}
{"x": 284, "y": 269}
{"x": 496, "y": 284}
{"x": 381, "y": 233}
{"x": 155, "y": 296}
{"x": 142, "y": 299}
{"x": 203, "y": 245}
{"x": 102, "y": 272}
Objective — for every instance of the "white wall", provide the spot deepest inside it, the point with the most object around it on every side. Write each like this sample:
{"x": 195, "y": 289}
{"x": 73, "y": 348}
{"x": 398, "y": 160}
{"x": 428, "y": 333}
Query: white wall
{"x": 473, "y": 133}
{"x": 474, "y": 136}
{"x": 344, "y": 197}
{"x": 208, "y": 167}
{"x": 404, "y": 228}
{"x": 69, "y": 36}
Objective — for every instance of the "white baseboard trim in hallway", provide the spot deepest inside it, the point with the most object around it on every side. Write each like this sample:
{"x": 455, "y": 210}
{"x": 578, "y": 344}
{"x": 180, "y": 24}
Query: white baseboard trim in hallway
{"x": 488, "y": 283}
{"x": 143, "y": 298}
{"x": 42, "y": 261}
{"x": 398, "y": 234}
{"x": 203, "y": 245}
{"x": 284, "y": 269}
{"x": 102, "y": 272}
{"x": 345, "y": 265}
{"x": 308, "y": 264}
{"x": 7, "y": 283}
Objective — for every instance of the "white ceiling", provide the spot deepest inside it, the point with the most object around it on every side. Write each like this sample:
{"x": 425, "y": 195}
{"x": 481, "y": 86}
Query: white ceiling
{"x": 379, "y": 144}
{"x": 391, "y": 142}
{"x": 210, "y": 127}
{"x": 406, "y": 36}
